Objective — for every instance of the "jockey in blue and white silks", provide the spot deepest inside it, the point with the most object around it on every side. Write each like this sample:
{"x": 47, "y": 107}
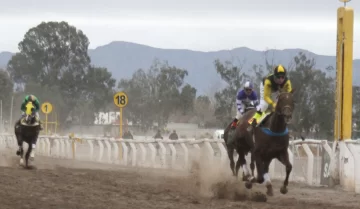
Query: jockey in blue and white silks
{"x": 244, "y": 98}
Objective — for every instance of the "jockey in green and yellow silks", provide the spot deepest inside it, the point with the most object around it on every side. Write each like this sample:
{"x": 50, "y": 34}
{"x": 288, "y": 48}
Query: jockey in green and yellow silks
{"x": 36, "y": 104}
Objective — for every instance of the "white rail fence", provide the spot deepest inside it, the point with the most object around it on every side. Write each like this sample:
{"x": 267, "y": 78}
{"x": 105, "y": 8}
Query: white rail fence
{"x": 179, "y": 154}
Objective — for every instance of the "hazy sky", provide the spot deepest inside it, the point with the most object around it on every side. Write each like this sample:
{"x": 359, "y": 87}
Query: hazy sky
{"x": 204, "y": 25}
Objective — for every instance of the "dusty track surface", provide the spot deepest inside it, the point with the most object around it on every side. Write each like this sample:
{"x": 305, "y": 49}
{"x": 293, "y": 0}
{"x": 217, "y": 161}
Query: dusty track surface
{"x": 59, "y": 184}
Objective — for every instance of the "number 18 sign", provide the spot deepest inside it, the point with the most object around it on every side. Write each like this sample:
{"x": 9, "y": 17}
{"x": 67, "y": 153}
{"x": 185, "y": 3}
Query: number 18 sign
{"x": 120, "y": 99}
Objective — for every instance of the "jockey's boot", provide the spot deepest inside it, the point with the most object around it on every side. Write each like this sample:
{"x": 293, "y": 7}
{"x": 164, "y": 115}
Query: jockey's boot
{"x": 234, "y": 123}
{"x": 253, "y": 120}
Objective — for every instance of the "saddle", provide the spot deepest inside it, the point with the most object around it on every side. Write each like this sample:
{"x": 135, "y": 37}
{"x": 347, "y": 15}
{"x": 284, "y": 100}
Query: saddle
{"x": 24, "y": 123}
{"x": 262, "y": 118}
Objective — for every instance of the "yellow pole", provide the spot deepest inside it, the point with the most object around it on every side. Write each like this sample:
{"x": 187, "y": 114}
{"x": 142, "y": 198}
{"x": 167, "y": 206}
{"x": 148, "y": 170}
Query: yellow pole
{"x": 121, "y": 135}
{"x": 55, "y": 122}
{"x": 121, "y": 114}
{"x": 46, "y": 123}
{"x": 50, "y": 125}
{"x": 344, "y": 61}
{"x": 73, "y": 148}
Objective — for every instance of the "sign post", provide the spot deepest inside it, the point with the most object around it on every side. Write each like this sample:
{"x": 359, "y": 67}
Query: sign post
{"x": 46, "y": 108}
{"x": 344, "y": 73}
{"x": 121, "y": 100}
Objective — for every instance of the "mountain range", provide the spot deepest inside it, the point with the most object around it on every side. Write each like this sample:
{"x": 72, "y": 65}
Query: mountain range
{"x": 124, "y": 58}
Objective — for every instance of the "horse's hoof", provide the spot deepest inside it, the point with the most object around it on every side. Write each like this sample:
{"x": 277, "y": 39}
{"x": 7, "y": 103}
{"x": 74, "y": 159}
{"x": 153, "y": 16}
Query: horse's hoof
{"x": 21, "y": 162}
{"x": 253, "y": 180}
{"x": 245, "y": 178}
{"x": 283, "y": 190}
{"x": 260, "y": 180}
{"x": 248, "y": 185}
{"x": 269, "y": 191}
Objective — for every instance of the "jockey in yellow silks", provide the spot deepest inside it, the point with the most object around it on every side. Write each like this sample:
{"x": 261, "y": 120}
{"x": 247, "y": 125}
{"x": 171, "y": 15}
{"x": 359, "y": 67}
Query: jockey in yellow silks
{"x": 272, "y": 83}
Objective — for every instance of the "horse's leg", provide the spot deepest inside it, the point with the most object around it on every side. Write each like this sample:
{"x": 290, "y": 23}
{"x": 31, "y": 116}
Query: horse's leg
{"x": 284, "y": 159}
{"x": 266, "y": 176}
{"x": 230, "y": 151}
{"x": 260, "y": 169}
{"x": 238, "y": 163}
{"x": 21, "y": 153}
{"x": 19, "y": 142}
{"x": 33, "y": 146}
{"x": 259, "y": 166}
{"x": 242, "y": 162}
{"x": 27, "y": 155}
{"x": 252, "y": 167}
{"x": 250, "y": 148}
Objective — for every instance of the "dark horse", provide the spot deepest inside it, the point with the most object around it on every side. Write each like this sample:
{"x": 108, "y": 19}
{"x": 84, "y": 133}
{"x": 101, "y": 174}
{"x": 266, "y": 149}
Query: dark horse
{"x": 272, "y": 141}
{"x": 240, "y": 140}
{"x": 27, "y": 130}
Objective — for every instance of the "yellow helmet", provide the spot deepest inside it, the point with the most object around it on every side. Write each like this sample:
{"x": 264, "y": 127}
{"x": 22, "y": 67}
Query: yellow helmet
{"x": 279, "y": 71}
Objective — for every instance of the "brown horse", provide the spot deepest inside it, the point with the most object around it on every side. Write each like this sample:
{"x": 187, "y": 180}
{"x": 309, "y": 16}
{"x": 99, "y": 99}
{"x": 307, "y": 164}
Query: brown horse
{"x": 240, "y": 139}
{"x": 272, "y": 141}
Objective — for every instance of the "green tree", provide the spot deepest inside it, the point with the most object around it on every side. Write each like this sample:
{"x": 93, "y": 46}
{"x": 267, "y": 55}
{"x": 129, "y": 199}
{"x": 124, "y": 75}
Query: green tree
{"x": 187, "y": 99}
{"x": 234, "y": 77}
{"x": 356, "y": 110}
{"x": 54, "y": 54}
{"x": 203, "y": 101}
{"x": 50, "y": 52}
{"x": 99, "y": 87}
{"x": 314, "y": 96}
{"x": 154, "y": 94}
{"x": 6, "y": 90}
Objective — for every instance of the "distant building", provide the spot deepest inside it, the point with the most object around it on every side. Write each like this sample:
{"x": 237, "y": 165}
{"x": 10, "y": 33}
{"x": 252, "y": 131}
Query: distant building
{"x": 106, "y": 118}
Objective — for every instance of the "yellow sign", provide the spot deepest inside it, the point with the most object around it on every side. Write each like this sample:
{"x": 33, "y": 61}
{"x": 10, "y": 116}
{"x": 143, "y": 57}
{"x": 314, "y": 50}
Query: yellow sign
{"x": 120, "y": 99}
{"x": 46, "y": 107}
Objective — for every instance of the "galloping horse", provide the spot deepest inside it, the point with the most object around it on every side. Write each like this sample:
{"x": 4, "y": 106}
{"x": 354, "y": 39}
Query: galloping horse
{"x": 240, "y": 140}
{"x": 27, "y": 129}
{"x": 272, "y": 141}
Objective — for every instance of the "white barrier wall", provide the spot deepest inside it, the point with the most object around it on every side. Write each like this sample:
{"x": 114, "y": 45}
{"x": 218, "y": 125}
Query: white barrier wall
{"x": 345, "y": 166}
{"x": 179, "y": 154}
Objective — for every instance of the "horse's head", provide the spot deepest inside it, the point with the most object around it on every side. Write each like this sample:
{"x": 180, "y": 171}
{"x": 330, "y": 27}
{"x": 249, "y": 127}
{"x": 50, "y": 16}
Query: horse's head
{"x": 285, "y": 105}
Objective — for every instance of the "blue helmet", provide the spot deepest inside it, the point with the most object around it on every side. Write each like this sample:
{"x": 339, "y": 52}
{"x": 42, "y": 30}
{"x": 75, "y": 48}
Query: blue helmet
{"x": 248, "y": 85}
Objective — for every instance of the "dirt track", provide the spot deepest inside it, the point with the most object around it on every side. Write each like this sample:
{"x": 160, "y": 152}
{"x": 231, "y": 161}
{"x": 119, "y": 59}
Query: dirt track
{"x": 62, "y": 186}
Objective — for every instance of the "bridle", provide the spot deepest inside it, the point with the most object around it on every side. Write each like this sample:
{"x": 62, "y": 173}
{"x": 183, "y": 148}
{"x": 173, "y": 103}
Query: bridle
{"x": 284, "y": 108}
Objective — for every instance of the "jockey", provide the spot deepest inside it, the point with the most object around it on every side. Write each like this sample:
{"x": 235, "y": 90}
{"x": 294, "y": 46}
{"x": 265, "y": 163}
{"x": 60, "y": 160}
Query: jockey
{"x": 244, "y": 98}
{"x": 35, "y": 101}
{"x": 271, "y": 84}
